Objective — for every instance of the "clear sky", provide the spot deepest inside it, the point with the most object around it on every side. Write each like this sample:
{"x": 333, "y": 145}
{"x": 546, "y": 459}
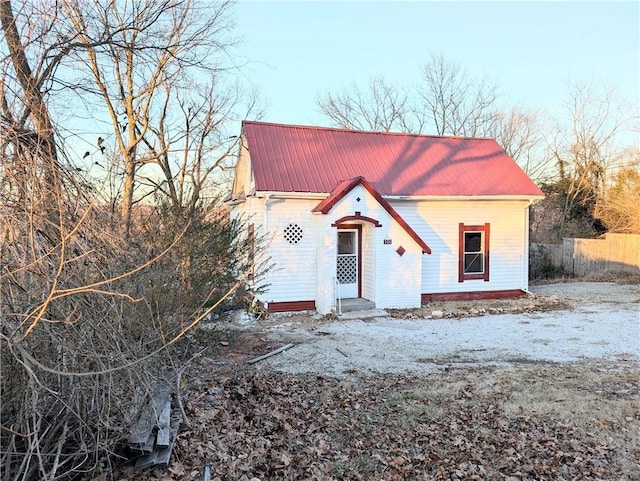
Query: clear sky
{"x": 298, "y": 49}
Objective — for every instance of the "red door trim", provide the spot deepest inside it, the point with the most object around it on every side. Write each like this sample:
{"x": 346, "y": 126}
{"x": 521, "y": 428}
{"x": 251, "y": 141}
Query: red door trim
{"x": 357, "y": 227}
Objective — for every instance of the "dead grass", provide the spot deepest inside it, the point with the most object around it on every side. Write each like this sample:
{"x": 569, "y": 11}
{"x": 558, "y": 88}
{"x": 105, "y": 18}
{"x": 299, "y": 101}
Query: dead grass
{"x": 605, "y": 276}
{"x": 617, "y": 277}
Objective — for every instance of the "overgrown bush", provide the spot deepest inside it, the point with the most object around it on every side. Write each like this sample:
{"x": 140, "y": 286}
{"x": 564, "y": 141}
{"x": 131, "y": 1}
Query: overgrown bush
{"x": 89, "y": 318}
{"x": 207, "y": 255}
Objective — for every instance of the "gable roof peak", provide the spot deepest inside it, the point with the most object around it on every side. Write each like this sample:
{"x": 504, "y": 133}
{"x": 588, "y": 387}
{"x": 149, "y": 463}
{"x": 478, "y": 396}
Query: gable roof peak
{"x": 347, "y": 185}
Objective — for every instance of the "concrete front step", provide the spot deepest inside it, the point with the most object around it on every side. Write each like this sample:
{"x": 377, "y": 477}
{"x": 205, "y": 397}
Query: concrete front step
{"x": 357, "y": 304}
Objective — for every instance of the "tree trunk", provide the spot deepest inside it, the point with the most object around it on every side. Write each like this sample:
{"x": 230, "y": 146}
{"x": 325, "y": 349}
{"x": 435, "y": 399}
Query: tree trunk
{"x": 33, "y": 97}
{"x": 127, "y": 196}
{"x": 41, "y": 146}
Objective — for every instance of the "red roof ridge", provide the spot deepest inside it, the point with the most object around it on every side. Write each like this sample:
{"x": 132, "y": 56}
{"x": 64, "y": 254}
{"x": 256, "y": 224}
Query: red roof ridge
{"x": 356, "y": 131}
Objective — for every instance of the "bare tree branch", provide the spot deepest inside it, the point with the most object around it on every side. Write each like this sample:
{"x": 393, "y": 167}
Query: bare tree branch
{"x": 382, "y": 108}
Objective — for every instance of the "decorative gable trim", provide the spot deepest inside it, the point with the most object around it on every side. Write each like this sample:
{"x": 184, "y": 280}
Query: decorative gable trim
{"x": 337, "y": 194}
{"x": 346, "y": 186}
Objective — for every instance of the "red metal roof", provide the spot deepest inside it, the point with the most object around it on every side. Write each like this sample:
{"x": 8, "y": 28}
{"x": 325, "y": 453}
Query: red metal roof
{"x": 289, "y": 158}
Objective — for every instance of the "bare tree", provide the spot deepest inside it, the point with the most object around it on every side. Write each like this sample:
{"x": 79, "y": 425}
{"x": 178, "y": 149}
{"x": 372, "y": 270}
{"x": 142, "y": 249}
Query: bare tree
{"x": 193, "y": 149}
{"x": 584, "y": 151}
{"x": 26, "y": 128}
{"x": 521, "y": 135}
{"x": 134, "y": 49}
{"x": 456, "y": 103}
{"x": 380, "y": 108}
{"x": 446, "y": 101}
{"x": 89, "y": 320}
{"x": 453, "y": 102}
{"x": 35, "y": 108}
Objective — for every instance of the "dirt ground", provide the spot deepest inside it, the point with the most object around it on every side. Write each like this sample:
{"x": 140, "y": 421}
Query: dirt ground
{"x": 527, "y": 419}
{"x": 559, "y": 323}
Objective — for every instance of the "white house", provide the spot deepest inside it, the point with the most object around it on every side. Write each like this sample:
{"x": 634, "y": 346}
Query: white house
{"x": 397, "y": 219}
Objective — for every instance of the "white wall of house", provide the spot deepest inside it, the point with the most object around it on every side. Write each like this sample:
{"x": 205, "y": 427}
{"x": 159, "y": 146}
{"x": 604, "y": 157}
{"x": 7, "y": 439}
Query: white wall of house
{"x": 326, "y": 252}
{"x": 251, "y": 211}
{"x": 437, "y": 223}
{"x": 306, "y": 270}
{"x": 398, "y": 277}
{"x": 293, "y": 275}
{"x": 369, "y": 244}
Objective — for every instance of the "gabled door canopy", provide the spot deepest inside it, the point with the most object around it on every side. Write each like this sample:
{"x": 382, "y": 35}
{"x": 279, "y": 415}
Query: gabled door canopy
{"x": 346, "y": 186}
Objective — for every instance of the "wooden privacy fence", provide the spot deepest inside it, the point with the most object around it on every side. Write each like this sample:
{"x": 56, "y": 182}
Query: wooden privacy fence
{"x": 581, "y": 257}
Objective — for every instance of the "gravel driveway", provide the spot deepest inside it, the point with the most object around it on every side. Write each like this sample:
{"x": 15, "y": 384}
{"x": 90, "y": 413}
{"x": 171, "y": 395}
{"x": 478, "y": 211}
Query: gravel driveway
{"x": 604, "y": 324}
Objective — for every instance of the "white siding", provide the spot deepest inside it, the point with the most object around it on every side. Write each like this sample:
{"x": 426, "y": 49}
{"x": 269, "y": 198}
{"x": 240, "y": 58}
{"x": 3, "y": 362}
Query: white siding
{"x": 368, "y": 261}
{"x": 326, "y": 250}
{"x": 437, "y": 223}
{"x": 306, "y": 270}
{"x": 397, "y": 276}
{"x": 293, "y": 275}
{"x": 251, "y": 211}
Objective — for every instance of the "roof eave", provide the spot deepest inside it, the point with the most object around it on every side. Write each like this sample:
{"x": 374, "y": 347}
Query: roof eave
{"x": 528, "y": 197}
{"x": 289, "y": 195}
{"x": 323, "y": 195}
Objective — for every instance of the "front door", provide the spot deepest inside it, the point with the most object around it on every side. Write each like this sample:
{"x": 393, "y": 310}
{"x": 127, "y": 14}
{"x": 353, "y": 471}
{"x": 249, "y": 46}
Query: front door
{"x": 347, "y": 263}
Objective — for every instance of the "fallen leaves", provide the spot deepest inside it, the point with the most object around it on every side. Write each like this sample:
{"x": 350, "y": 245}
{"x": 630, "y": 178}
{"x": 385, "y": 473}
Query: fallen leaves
{"x": 280, "y": 426}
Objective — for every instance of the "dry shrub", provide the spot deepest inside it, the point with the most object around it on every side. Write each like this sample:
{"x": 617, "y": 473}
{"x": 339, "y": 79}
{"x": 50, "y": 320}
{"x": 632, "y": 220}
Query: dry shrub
{"x": 618, "y": 206}
{"x": 89, "y": 319}
{"x": 619, "y": 277}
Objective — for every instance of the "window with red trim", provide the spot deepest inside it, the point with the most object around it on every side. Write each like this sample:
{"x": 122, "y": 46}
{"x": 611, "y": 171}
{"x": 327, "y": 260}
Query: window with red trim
{"x": 473, "y": 252}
